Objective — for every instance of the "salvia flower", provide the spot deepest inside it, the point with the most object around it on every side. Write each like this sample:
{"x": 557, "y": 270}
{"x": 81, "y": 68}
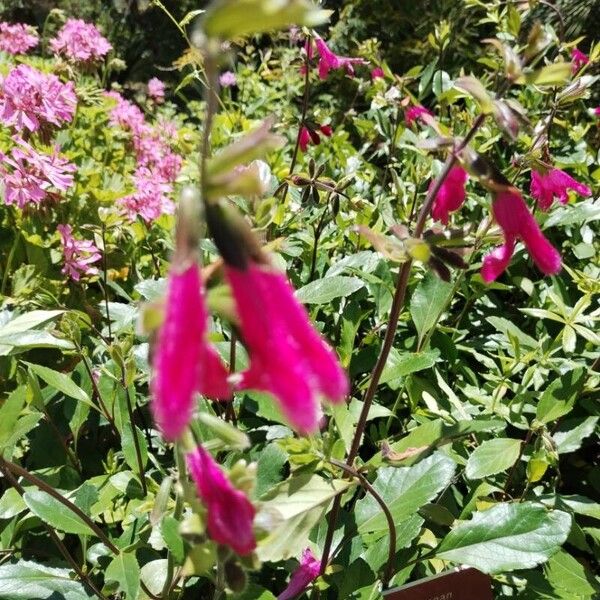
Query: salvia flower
{"x": 227, "y": 79}
{"x": 30, "y": 99}
{"x": 17, "y": 38}
{"x": 288, "y": 357}
{"x": 229, "y": 512}
{"x": 184, "y": 362}
{"x": 309, "y": 134}
{"x": 578, "y": 60}
{"x": 451, "y": 194}
{"x": 80, "y": 42}
{"x": 377, "y": 73}
{"x": 597, "y": 111}
{"x": 415, "y": 113}
{"x": 328, "y": 60}
{"x": 545, "y": 187}
{"x": 156, "y": 90}
{"x": 307, "y": 571}
{"x": 517, "y": 223}
{"x": 78, "y": 255}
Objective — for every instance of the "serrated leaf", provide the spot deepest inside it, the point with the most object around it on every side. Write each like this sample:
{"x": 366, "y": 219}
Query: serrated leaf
{"x": 492, "y": 456}
{"x": 323, "y": 291}
{"x": 125, "y": 570}
{"x": 507, "y": 537}
{"x": 567, "y": 574}
{"x": 559, "y": 397}
{"x": 572, "y": 434}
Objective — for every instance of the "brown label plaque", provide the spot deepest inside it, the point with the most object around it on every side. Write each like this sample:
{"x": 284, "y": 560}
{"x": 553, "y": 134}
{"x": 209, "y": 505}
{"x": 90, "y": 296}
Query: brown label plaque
{"x": 459, "y": 584}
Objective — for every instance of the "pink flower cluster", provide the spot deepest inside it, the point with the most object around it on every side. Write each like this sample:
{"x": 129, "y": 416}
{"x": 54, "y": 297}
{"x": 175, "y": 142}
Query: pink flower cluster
{"x": 80, "y": 42}
{"x": 78, "y": 255}
{"x": 157, "y": 164}
{"x": 30, "y": 99}
{"x": 513, "y": 216}
{"x": 227, "y": 79}
{"x": 29, "y": 175}
{"x": 156, "y": 90}
{"x": 17, "y": 38}
{"x": 415, "y": 113}
{"x": 578, "y": 60}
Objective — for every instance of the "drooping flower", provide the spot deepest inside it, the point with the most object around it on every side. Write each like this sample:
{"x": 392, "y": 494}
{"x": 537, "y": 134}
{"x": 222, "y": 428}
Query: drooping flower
{"x": 80, "y": 42}
{"x": 229, "y": 512}
{"x": 17, "y": 38}
{"x": 416, "y": 112}
{"x": 184, "y": 361}
{"x": 78, "y": 255}
{"x": 578, "y": 60}
{"x": 308, "y": 134}
{"x": 451, "y": 195}
{"x": 377, "y": 73}
{"x": 156, "y": 90}
{"x": 227, "y": 79}
{"x": 150, "y": 199}
{"x": 307, "y": 571}
{"x": 517, "y": 223}
{"x": 328, "y": 60}
{"x": 288, "y": 357}
{"x": 545, "y": 187}
{"x": 30, "y": 99}
{"x": 29, "y": 175}
{"x": 304, "y": 138}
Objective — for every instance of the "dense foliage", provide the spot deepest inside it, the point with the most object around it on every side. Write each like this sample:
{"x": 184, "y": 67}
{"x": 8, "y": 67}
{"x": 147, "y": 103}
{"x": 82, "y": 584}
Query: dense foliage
{"x": 435, "y": 211}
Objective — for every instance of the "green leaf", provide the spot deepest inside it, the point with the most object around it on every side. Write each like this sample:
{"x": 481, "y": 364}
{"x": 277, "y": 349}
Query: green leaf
{"x": 125, "y": 570}
{"x": 51, "y": 511}
{"x": 27, "y": 581}
{"x": 401, "y": 364}
{"x": 507, "y": 537}
{"x": 169, "y": 529}
{"x": 154, "y": 575}
{"x": 493, "y": 456}
{"x": 226, "y": 432}
{"x": 61, "y": 382}
{"x": 559, "y": 397}
{"x": 510, "y": 330}
{"x": 128, "y": 445}
{"x": 255, "y": 592}
{"x": 26, "y": 340}
{"x": 323, "y": 291}
{"x": 572, "y": 434}
{"x": 11, "y": 504}
{"x": 566, "y": 574}
{"x": 404, "y": 490}
{"x": 428, "y": 302}
{"x": 554, "y": 74}
{"x": 269, "y": 468}
{"x": 9, "y": 413}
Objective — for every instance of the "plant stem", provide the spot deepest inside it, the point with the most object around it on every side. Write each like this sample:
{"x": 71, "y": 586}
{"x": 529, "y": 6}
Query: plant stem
{"x": 105, "y": 280}
{"x": 136, "y": 441}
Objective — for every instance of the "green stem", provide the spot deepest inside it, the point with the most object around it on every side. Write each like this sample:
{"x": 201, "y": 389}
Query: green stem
{"x": 136, "y": 441}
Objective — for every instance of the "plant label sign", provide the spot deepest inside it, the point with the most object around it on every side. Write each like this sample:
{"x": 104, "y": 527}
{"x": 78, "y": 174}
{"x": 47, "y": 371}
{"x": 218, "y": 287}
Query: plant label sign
{"x": 459, "y": 584}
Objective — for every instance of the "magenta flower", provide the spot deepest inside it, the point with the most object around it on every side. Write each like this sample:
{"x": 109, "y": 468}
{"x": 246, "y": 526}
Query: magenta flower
{"x": 517, "y": 222}
{"x": 304, "y": 138}
{"x": 17, "y": 38}
{"x": 156, "y": 90}
{"x": 451, "y": 195}
{"x": 416, "y": 112}
{"x": 302, "y": 577}
{"x": 288, "y": 358}
{"x": 32, "y": 175}
{"x": 78, "y": 254}
{"x": 30, "y": 99}
{"x": 227, "y": 79}
{"x": 597, "y": 111}
{"x": 125, "y": 114}
{"x": 80, "y": 42}
{"x": 150, "y": 199}
{"x": 184, "y": 362}
{"x": 229, "y": 512}
{"x": 555, "y": 184}
{"x": 377, "y": 73}
{"x": 328, "y": 60}
{"x": 309, "y": 135}
{"x": 578, "y": 60}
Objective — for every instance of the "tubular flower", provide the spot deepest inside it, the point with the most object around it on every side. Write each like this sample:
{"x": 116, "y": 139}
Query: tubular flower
{"x": 555, "y": 184}
{"x": 306, "y": 573}
{"x": 517, "y": 222}
{"x": 17, "y": 38}
{"x": 308, "y": 135}
{"x": 184, "y": 363}
{"x": 377, "y": 73}
{"x": 451, "y": 195}
{"x": 288, "y": 357}
{"x": 578, "y": 60}
{"x": 328, "y": 60}
{"x": 156, "y": 90}
{"x": 78, "y": 254}
{"x": 416, "y": 112}
{"x": 80, "y": 42}
{"x": 229, "y": 512}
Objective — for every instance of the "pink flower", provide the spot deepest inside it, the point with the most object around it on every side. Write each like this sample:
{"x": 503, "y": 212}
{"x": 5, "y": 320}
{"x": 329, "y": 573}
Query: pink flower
{"x": 451, "y": 195}
{"x": 578, "y": 60}
{"x": 184, "y": 362}
{"x": 306, "y": 573}
{"x": 125, "y": 114}
{"x": 229, "y": 512}
{"x": 17, "y": 38}
{"x": 597, "y": 111}
{"x": 377, "y": 73}
{"x": 416, "y": 112}
{"x": 288, "y": 358}
{"x": 150, "y": 200}
{"x": 308, "y": 134}
{"x": 156, "y": 90}
{"x": 78, "y": 254}
{"x": 328, "y": 60}
{"x": 80, "y": 42}
{"x": 304, "y": 138}
{"x": 555, "y": 184}
{"x": 227, "y": 79}
{"x": 30, "y": 99}
{"x": 517, "y": 222}
{"x": 32, "y": 174}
